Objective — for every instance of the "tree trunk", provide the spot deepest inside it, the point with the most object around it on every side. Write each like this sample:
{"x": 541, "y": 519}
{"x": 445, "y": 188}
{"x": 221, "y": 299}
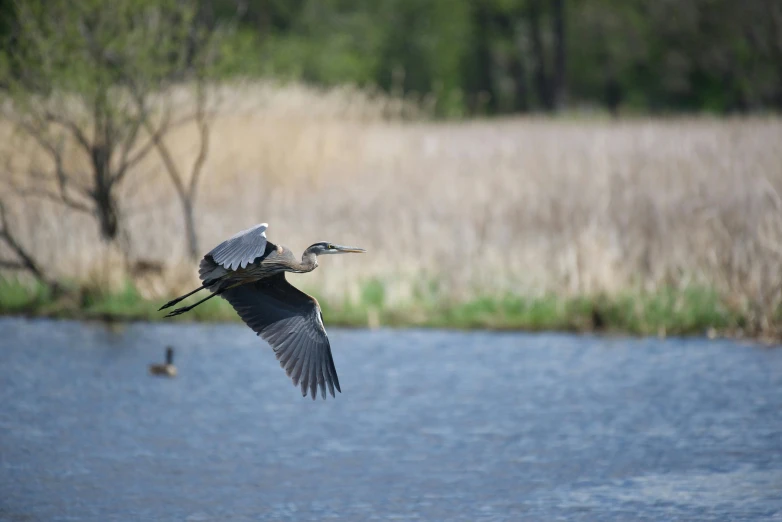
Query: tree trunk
{"x": 613, "y": 95}
{"x": 103, "y": 196}
{"x": 558, "y": 84}
{"x": 505, "y": 22}
{"x": 779, "y": 89}
{"x": 193, "y": 250}
{"x": 519, "y": 75}
{"x": 539, "y": 74}
{"x": 108, "y": 216}
{"x": 484, "y": 59}
{"x": 262, "y": 18}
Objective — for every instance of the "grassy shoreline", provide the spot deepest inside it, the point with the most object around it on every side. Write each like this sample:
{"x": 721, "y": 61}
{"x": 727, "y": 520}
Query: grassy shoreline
{"x": 668, "y": 312}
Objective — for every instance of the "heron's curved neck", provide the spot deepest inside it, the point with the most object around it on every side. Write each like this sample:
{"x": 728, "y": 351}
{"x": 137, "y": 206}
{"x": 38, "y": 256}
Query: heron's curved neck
{"x": 309, "y": 262}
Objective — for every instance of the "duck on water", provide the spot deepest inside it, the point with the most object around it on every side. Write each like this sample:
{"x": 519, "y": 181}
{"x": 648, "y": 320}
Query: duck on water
{"x": 168, "y": 369}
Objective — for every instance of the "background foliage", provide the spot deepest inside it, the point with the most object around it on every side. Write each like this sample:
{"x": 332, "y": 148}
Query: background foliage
{"x": 502, "y": 56}
{"x": 508, "y": 56}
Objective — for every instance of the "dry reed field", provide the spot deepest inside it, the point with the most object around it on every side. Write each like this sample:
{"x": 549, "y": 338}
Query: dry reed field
{"x": 452, "y": 211}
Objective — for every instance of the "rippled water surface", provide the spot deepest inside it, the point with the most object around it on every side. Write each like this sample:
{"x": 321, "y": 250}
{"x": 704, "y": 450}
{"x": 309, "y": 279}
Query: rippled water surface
{"x": 430, "y": 426}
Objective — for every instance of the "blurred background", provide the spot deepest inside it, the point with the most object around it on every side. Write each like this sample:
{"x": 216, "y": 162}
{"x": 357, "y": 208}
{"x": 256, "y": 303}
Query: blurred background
{"x": 568, "y": 164}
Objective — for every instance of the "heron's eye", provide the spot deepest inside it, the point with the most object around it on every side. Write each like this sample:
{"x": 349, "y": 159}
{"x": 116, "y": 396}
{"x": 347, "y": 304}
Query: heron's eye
{"x": 330, "y": 246}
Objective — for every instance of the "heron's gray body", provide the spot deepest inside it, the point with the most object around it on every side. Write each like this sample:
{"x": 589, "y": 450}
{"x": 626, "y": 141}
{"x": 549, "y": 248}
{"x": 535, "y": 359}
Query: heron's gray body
{"x": 274, "y": 260}
{"x": 248, "y": 271}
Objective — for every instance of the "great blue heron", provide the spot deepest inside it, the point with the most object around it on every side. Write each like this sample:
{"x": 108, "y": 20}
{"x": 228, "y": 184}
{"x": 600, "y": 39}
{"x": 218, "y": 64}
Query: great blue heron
{"x": 168, "y": 369}
{"x": 248, "y": 271}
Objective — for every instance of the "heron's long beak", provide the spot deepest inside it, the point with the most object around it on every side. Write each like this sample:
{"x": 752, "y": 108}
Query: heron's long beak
{"x": 345, "y": 249}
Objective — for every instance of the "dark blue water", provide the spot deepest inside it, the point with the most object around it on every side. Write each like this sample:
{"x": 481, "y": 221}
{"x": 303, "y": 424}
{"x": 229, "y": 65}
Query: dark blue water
{"x": 430, "y": 426}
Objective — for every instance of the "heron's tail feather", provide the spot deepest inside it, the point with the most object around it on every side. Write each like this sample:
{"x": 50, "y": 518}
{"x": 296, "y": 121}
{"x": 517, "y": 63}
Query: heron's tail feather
{"x": 180, "y": 298}
{"x": 184, "y": 309}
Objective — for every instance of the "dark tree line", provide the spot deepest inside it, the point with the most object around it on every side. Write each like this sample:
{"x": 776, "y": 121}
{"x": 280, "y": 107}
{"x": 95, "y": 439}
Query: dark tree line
{"x": 505, "y": 56}
{"x": 510, "y": 56}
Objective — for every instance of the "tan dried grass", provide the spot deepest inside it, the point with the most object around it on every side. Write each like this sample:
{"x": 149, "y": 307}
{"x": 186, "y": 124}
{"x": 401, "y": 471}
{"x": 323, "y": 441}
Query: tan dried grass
{"x": 528, "y": 205}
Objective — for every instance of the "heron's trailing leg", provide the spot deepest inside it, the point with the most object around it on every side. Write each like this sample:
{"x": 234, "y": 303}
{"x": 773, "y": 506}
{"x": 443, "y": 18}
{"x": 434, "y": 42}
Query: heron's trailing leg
{"x": 184, "y": 309}
{"x": 180, "y": 298}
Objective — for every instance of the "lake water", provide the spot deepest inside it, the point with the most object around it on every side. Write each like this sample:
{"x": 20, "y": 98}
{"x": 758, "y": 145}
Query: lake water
{"x": 431, "y": 425}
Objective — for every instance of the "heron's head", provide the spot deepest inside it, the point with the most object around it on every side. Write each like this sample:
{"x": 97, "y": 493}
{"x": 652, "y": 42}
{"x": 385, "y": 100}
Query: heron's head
{"x": 324, "y": 247}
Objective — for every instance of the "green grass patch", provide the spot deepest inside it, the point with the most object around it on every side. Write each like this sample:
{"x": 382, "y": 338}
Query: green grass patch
{"x": 19, "y": 297}
{"x": 670, "y": 311}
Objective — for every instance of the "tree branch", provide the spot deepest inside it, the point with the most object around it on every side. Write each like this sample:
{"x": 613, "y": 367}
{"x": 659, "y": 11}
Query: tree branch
{"x": 203, "y": 132}
{"x": 26, "y": 261}
{"x": 130, "y": 141}
{"x": 53, "y": 196}
{"x": 47, "y": 178}
{"x": 156, "y": 135}
{"x": 63, "y": 178}
{"x": 11, "y": 265}
{"x": 168, "y": 162}
{"x": 156, "y": 140}
{"x": 37, "y": 135}
{"x": 74, "y": 129}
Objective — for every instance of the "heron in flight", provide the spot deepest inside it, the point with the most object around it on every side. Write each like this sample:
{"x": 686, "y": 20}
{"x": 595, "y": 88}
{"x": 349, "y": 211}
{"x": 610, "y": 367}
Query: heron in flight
{"x": 248, "y": 271}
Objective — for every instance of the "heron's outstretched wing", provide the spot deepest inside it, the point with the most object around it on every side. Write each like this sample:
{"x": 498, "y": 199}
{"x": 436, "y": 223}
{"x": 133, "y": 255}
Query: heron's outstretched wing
{"x": 291, "y": 322}
{"x": 241, "y": 249}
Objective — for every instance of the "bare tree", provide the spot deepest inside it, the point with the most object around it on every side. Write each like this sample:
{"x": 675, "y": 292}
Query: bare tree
{"x": 186, "y": 188}
{"x": 97, "y": 77}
